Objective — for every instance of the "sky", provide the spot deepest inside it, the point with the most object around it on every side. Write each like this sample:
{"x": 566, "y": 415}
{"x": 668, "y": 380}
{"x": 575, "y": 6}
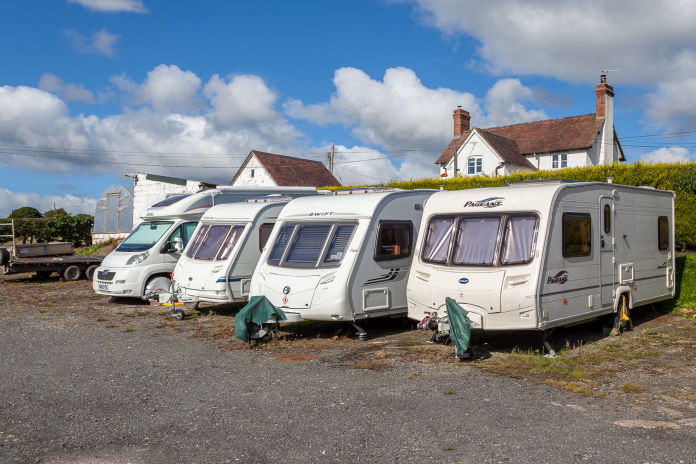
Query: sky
{"x": 92, "y": 90}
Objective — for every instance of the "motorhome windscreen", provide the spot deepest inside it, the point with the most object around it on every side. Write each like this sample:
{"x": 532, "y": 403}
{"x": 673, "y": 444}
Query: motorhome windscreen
{"x": 145, "y": 236}
{"x": 214, "y": 242}
{"x": 311, "y": 245}
{"x": 476, "y": 240}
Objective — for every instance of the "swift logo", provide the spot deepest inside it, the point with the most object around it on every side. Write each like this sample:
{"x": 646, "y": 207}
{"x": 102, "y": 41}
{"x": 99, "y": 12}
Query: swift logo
{"x": 325, "y": 213}
{"x": 491, "y": 202}
{"x": 463, "y": 280}
{"x": 560, "y": 278}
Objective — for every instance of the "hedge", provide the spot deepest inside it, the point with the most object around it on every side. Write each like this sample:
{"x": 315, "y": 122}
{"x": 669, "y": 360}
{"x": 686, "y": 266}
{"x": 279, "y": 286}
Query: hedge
{"x": 681, "y": 178}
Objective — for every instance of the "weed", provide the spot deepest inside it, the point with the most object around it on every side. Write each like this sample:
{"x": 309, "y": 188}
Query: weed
{"x": 368, "y": 365}
{"x": 633, "y": 388}
{"x": 449, "y": 392}
{"x": 691, "y": 397}
{"x": 128, "y": 330}
{"x": 414, "y": 374}
{"x": 111, "y": 326}
{"x": 42, "y": 310}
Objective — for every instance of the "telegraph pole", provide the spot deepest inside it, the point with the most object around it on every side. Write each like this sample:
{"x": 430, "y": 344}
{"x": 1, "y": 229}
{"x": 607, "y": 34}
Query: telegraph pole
{"x": 331, "y": 159}
{"x": 454, "y": 154}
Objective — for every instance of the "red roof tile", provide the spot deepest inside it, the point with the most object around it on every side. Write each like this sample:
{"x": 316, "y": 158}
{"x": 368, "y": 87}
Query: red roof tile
{"x": 506, "y": 149}
{"x": 288, "y": 171}
{"x": 551, "y": 135}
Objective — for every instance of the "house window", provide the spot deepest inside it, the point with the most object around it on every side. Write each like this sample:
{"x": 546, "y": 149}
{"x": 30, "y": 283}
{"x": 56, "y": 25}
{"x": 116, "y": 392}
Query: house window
{"x": 560, "y": 161}
{"x": 577, "y": 235}
{"x": 252, "y": 173}
{"x": 475, "y": 165}
{"x": 394, "y": 240}
{"x": 662, "y": 233}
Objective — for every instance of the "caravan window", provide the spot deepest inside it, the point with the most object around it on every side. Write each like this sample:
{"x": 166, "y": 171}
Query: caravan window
{"x": 662, "y": 233}
{"x": 169, "y": 201}
{"x": 577, "y": 235}
{"x": 437, "y": 241}
{"x": 607, "y": 219}
{"x": 280, "y": 244}
{"x": 518, "y": 240}
{"x": 476, "y": 241}
{"x": 308, "y": 244}
{"x": 394, "y": 240}
{"x": 339, "y": 242}
{"x": 311, "y": 245}
{"x": 264, "y": 233}
{"x": 197, "y": 239}
{"x": 210, "y": 244}
{"x": 229, "y": 243}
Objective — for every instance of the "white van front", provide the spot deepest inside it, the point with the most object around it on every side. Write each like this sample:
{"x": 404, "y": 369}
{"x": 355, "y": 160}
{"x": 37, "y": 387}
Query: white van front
{"x": 149, "y": 252}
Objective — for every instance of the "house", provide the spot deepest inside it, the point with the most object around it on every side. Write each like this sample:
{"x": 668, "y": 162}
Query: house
{"x": 263, "y": 169}
{"x": 576, "y": 141}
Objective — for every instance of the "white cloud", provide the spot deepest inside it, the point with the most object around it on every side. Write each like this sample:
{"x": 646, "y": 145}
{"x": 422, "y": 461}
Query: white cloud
{"x": 668, "y": 155}
{"x": 673, "y": 105}
{"x": 503, "y": 104}
{"x": 68, "y": 92}
{"x": 129, "y": 6}
{"x": 244, "y": 99}
{"x": 647, "y": 40}
{"x": 71, "y": 203}
{"x": 100, "y": 42}
{"x": 168, "y": 88}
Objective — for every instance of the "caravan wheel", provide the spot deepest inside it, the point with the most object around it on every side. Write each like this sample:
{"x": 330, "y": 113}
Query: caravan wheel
{"x": 622, "y": 318}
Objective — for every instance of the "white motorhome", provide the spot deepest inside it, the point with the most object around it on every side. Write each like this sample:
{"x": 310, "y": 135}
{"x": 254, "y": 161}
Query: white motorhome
{"x": 217, "y": 264}
{"x": 341, "y": 257}
{"x": 539, "y": 255}
{"x": 143, "y": 262}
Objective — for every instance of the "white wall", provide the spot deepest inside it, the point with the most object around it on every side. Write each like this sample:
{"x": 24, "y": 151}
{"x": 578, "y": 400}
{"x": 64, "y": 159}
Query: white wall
{"x": 475, "y": 146}
{"x": 146, "y": 192}
{"x": 260, "y": 178}
{"x": 576, "y": 159}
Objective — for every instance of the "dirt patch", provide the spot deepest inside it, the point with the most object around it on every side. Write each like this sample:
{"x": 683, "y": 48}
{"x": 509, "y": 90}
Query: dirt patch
{"x": 295, "y": 357}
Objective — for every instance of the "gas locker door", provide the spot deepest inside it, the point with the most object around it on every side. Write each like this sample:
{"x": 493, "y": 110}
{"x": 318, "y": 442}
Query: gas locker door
{"x": 607, "y": 250}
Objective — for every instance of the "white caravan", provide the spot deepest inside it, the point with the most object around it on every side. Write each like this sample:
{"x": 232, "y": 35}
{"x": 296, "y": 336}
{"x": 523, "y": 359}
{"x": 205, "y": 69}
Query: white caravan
{"x": 143, "y": 262}
{"x": 343, "y": 257}
{"x": 217, "y": 264}
{"x": 539, "y": 255}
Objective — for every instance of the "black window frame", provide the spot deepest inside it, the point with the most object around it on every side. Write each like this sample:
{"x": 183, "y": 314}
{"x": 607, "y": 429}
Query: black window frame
{"x": 380, "y": 257}
{"x": 660, "y": 238}
{"x": 564, "y": 244}
{"x": 606, "y": 219}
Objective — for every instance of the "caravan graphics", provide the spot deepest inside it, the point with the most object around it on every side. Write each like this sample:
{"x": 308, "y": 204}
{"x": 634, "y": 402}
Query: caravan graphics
{"x": 560, "y": 278}
{"x": 491, "y": 202}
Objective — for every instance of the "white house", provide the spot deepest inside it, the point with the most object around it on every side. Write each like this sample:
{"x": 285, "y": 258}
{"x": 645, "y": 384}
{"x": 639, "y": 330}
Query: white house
{"x": 576, "y": 141}
{"x": 268, "y": 169}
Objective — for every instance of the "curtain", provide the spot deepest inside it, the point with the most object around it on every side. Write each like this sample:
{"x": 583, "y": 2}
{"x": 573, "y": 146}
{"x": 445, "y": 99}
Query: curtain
{"x": 518, "y": 240}
{"x": 437, "y": 242}
{"x": 476, "y": 240}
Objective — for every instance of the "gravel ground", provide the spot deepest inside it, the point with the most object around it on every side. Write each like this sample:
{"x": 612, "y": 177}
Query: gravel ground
{"x": 84, "y": 381}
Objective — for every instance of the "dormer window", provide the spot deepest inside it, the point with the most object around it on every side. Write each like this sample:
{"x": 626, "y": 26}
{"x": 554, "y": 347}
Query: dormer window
{"x": 474, "y": 165}
{"x": 560, "y": 161}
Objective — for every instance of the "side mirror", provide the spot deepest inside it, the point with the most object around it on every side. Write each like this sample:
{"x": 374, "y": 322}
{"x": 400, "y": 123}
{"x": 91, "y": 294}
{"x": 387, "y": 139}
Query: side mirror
{"x": 177, "y": 245}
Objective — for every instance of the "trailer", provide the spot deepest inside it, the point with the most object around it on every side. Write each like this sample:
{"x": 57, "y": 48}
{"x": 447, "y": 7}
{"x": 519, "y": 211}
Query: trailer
{"x": 45, "y": 258}
{"x": 540, "y": 255}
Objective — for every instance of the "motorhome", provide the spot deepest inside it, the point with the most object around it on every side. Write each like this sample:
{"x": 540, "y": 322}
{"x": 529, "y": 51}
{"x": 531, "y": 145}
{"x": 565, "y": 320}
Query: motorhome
{"x": 142, "y": 263}
{"x": 540, "y": 255}
{"x": 217, "y": 264}
{"x": 341, "y": 257}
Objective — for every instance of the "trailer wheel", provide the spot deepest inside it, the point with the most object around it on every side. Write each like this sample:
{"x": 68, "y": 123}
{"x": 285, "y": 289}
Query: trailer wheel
{"x": 179, "y": 314}
{"x": 4, "y": 256}
{"x": 72, "y": 273}
{"x": 89, "y": 273}
{"x": 622, "y": 318}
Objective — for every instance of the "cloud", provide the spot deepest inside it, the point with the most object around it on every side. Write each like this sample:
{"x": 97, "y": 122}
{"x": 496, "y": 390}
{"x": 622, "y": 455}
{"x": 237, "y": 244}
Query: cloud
{"x": 68, "y": 92}
{"x": 112, "y": 6}
{"x": 673, "y": 105}
{"x": 100, "y": 42}
{"x": 71, "y": 203}
{"x": 409, "y": 119}
{"x": 168, "y": 88}
{"x": 668, "y": 155}
{"x": 243, "y": 99}
{"x": 646, "y": 39}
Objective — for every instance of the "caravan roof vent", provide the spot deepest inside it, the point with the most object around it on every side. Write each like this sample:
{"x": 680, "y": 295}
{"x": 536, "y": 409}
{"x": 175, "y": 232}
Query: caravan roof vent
{"x": 540, "y": 181}
{"x": 365, "y": 190}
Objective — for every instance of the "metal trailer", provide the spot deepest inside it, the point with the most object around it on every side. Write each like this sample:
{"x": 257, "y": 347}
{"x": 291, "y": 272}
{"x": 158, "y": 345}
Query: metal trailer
{"x": 45, "y": 258}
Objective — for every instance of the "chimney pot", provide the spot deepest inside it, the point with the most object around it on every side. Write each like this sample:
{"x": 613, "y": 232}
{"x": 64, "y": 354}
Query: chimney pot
{"x": 461, "y": 121}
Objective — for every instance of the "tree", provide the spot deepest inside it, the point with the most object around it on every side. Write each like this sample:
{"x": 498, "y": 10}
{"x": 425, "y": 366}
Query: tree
{"x": 51, "y": 213}
{"x": 25, "y": 212}
{"x": 25, "y": 229}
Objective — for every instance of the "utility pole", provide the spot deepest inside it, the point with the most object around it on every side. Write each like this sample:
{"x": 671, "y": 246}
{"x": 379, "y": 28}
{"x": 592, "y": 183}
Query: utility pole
{"x": 454, "y": 154}
{"x": 331, "y": 159}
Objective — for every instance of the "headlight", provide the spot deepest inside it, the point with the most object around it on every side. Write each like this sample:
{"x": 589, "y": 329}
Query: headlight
{"x": 139, "y": 258}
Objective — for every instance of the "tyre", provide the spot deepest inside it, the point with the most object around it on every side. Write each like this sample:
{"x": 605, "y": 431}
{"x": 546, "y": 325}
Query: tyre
{"x": 179, "y": 314}
{"x": 89, "y": 273}
{"x": 156, "y": 285}
{"x": 4, "y": 256}
{"x": 72, "y": 273}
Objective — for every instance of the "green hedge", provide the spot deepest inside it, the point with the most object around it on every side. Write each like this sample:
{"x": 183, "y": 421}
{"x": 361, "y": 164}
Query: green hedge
{"x": 678, "y": 177}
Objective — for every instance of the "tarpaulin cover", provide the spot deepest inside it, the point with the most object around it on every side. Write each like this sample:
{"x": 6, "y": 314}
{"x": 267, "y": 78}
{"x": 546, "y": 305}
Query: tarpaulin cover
{"x": 460, "y": 326}
{"x": 258, "y": 311}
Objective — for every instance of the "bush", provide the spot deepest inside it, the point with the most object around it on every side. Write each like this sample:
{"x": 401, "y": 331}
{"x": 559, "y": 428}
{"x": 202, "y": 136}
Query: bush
{"x": 679, "y": 177}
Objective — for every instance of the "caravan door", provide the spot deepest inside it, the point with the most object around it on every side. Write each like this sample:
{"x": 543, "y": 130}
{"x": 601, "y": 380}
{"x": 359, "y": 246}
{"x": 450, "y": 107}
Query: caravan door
{"x": 607, "y": 251}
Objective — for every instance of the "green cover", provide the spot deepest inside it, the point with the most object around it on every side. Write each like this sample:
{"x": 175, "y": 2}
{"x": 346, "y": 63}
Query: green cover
{"x": 258, "y": 311}
{"x": 460, "y": 327}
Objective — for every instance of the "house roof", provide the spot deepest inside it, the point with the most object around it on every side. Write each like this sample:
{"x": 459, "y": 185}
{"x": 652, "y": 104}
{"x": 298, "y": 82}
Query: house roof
{"x": 505, "y": 148}
{"x": 551, "y": 135}
{"x": 289, "y": 171}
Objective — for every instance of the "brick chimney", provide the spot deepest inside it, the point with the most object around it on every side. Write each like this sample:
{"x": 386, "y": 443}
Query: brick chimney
{"x": 461, "y": 121}
{"x": 604, "y": 92}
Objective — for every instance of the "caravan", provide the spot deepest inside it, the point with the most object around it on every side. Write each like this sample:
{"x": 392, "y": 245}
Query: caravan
{"x": 539, "y": 255}
{"x": 217, "y": 264}
{"x": 343, "y": 257}
{"x": 143, "y": 262}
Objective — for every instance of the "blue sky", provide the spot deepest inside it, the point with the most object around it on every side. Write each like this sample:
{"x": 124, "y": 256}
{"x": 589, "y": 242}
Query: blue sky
{"x": 93, "y": 89}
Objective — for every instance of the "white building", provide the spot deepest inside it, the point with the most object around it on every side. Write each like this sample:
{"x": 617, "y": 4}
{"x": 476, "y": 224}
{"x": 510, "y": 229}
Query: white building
{"x": 268, "y": 169}
{"x": 576, "y": 141}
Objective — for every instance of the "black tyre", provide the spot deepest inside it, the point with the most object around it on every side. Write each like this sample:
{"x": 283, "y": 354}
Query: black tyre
{"x": 4, "y": 256}
{"x": 89, "y": 272}
{"x": 72, "y": 273}
{"x": 179, "y": 314}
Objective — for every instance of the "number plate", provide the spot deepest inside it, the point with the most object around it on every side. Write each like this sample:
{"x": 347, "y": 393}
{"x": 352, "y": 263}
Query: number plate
{"x": 103, "y": 287}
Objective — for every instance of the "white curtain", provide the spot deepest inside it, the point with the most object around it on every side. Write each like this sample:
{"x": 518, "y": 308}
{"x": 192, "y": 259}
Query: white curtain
{"x": 476, "y": 239}
{"x": 436, "y": 248}
{"x": 518, "y": 240}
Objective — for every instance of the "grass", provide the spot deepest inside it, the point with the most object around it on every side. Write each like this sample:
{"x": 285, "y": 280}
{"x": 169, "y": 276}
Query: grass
{"x": 632, "y": 388}
{"x": 90, "y": 250}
